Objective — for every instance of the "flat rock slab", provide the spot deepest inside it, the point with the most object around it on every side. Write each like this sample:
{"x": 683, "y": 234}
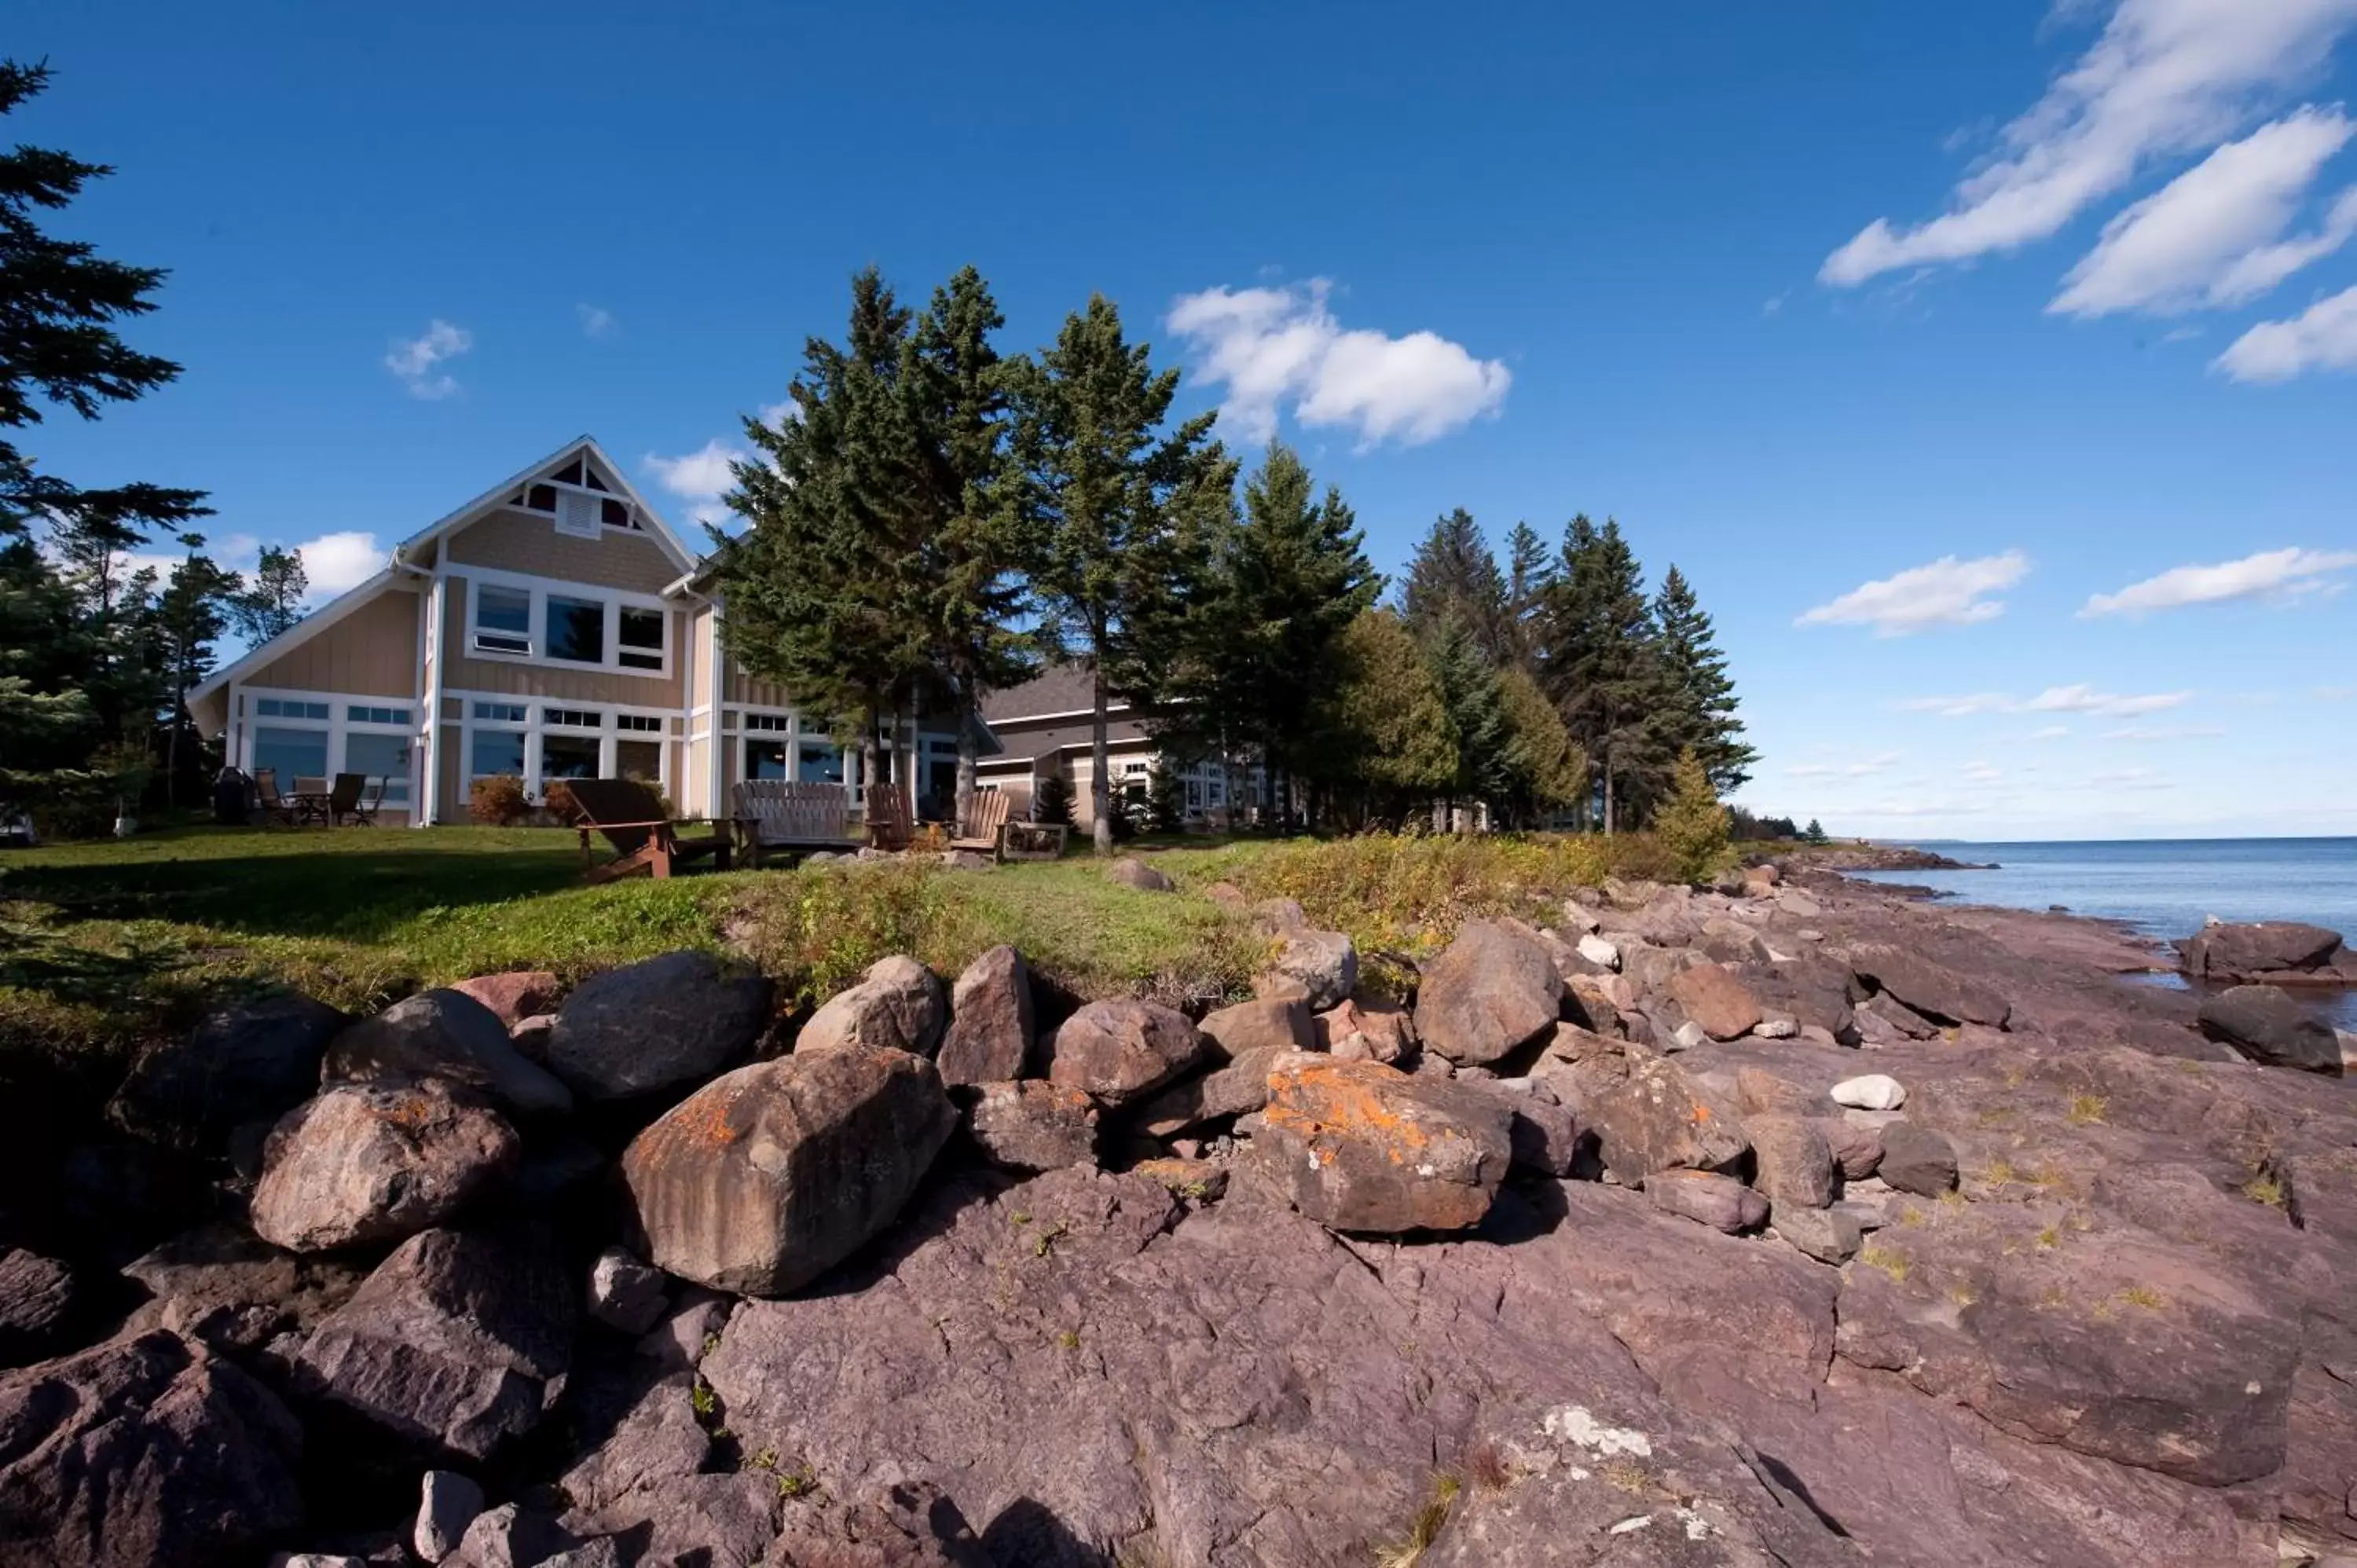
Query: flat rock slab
{"x": 1359, "y": 1146}
{"x": 1933, "y": 990}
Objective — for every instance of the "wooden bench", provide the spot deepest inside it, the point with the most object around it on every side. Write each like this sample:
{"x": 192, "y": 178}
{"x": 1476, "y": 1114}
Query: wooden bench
{"x": 790, "y": 817}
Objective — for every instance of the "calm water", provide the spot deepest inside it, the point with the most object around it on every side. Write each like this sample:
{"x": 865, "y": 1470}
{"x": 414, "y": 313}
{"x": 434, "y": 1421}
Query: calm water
{"x": 2165, "y": 887}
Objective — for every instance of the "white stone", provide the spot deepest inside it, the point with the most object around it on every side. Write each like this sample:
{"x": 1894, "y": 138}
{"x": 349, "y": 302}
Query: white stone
{"x": 1596, "y": 951}
{"x": 1580, "y": 918}
{"x": 1871, "y": 1091}
{"x": 1776, "y": 1028}
{"x": 447, "y": 1503}
{"x": 1688, "y": 1036}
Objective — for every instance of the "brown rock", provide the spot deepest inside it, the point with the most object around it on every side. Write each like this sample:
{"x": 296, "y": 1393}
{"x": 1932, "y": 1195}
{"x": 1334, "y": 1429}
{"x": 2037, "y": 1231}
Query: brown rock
{"x": 1718, "y": 1201}
{"x": 1322, "y": 966}
{"x": 659, "y": 1024}
{"x": 1658, "y": 1118}
{"x": 1795, "y": 1168}
{"x": 1938, "y": 992}
{"x": 1362, "y": 1147}
{"x": 1131, "y": 872}
{"x": 1263, "y": 1023}
{"x": 515, "y": 995}
{"x": 771, "y": 1175}
{"x": 897, "y": 1005}
{"x": 1918, "y": 1160}
{"x": 1360, "y": 1031}
{"x": 2262, "y": 949}
{"x": 1714, "y": 999}
{"x": 1491, "y": 992}
{"x": 1856, "y": 1151}
{"x": 252, "y": 1061}
{"x": 1758, "y": 1091}
{"x": 1029, "y": 1125}
{"x": 1203, "y": 1180}
{"x": 1235, "y": 1089}
{"x": 990, "y": 1032}
{"x": 374, "y": 1162}
{"x": 447, "y": 1035}
{"x": 1123, "y": 1050}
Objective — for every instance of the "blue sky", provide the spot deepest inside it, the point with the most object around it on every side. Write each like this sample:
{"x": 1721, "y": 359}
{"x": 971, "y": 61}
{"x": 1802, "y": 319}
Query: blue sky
{"x": 1909, "y": 333}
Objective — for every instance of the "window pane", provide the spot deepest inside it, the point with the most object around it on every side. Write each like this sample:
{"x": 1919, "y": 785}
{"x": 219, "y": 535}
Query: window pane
{"x": 498, "y": 751}
{"x": 570, "y": 474}
{"x": 385, "y": 756}
{"x": 640, "y": 759}
{"x": 502, "y": 609}
{"x": 614, "y": 514}
{"x": 541, "y": 497}
{"x": 291, "y": 754}
{"x": 567, "y": 756}
{"x": 641, "y": 628}
{"x": 509, "y": 712}
{"x": 765, "y": 759}
{"x": 821, "y": 763}
{"x": 576, "y": 630}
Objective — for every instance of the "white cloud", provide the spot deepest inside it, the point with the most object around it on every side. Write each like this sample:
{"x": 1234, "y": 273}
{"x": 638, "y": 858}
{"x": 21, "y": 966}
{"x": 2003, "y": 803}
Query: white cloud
{"x": 2052, "y": 731}
{"x": 414, "y": 361}
{"x": 2131, "y": 778}
{"x": 1864, "y": 768}
{"x": 1271, "y": 346}
{"x": 595, "y": 321}
{"x": 2166, "y": 77}
{"x": 2081, "y": 698}
{"x": 701, "y": 477}
{"x": 2321, "y": 337}
{"x": 1982, "y": 773}
{"x": 1959, "y": 707}
{"x": 334, "y": 561}
{"x": 2274, "y": 574}
{"x": 2162, "y": 732}
{"x": 2213, "y": 236}
{"x": 775, "y": 413}
{"x": 1947, "y": 592}
{"x": 2333, "y": 693}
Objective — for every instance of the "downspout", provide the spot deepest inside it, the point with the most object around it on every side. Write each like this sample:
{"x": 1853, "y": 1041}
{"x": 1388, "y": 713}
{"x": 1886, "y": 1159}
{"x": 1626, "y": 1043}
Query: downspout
{"x": 430, "y": 667}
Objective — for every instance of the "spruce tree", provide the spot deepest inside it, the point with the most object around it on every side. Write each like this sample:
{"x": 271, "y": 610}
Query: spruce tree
{"x": 273, "y": 602}
{"x": 1604, "y": 665}
{"x": 1454, "y": 577}
{"x": 1700, "y": 695}
{"x": 1107, "y": 488}
{"x": 190, "y": 617}
{"x": 1691, "y": 824}
{"x": 1530, "y": 579}
{"x": 1469, "y": 690}
{"x": 1815, "y": 831}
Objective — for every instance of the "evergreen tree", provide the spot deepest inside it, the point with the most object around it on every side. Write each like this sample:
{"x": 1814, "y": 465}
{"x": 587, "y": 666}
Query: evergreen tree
{"x": 1052, "y": 801}
{"x": 1700, "y": 695}
{"x": 1546, "y": 771}
{"x": 1111, "y": 496}
{"x": 1815, "y": 831}
{"x": 976, "y": 541}
{"x": 826, "y": 589}
{"x": 190, "y": 617}
{"x": 1603, "y": 664}
{"x": 1472, "y": 694}
{"x": 1387, "y": 723}
{"x": 1166, "y": 797}
{"x": 273, "y": 602}
{"x": 1691, "y": 824}
{"x": 1453, "y": 578}
{"x": 1530, "y": 579}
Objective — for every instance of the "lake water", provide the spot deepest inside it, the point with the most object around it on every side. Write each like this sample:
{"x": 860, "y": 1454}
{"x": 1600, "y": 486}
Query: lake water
{"x": 2165, "y": 888}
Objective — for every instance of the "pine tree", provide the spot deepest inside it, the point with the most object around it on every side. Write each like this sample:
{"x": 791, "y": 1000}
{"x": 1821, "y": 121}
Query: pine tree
{"x": 1530, "y": 579}
{"x": 273, "y": 602}
{"x": 1453, "y": 578}
{"x": 1815, "y": 831}
{"x": 1052, "y": 801}
{"x": 1700, "y": 707}
{"x": 1691, "y": 823}
{"x": 1546, "y": 771}
{"x": 1108, "y": 491}
{"x": 1471, "y": 692}
{"x": 1603, "y": 664}
{"x": 190, "y": 617}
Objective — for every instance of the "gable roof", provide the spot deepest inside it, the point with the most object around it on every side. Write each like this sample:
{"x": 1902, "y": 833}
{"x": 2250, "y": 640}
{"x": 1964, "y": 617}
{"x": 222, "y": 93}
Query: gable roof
{"x": 352, "y": 598}
{"x": 1061, "y": 689}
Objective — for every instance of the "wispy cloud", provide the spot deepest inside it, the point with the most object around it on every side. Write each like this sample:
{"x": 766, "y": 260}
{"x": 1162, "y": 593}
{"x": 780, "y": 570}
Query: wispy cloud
{"x": 2321, "y": 337}
{"x": 2166, "y": 77}
{"x": 2214, "y": 235}
{"x": 1863, "y": 768}
{"x": 2162, "y": 732}
{"x": 1981, "y": 773}
{"x": 2271, "y": 573}
{"x": 595, "y": 321}
{"x": 701, "y": 477}
{"x": 1946, "y": 592}
{"x": 2080, "y": 698}
{"x": 1962, "y": 706}
{"x": 417, "y": 361}
{"x": 1275, "y": 348}
{"x": 2131, "y": 778}
{"x": 2052, "y": 731}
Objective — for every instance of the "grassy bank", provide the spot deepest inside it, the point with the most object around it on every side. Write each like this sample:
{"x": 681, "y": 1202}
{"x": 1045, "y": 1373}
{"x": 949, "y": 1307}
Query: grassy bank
{"x": 105, "y": 944}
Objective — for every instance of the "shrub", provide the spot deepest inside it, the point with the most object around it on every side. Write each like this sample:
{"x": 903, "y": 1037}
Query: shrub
{"x": 498, "y": 802}
{"x": 1052, "y": 802}
{"x": 1692, "y": 825}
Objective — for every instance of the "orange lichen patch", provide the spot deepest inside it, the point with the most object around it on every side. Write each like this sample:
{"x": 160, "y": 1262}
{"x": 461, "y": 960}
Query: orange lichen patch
{"x": 710, "y": 1119}
{"x": 1343, "y": 1099}
{"x": 1701, "y": 1113}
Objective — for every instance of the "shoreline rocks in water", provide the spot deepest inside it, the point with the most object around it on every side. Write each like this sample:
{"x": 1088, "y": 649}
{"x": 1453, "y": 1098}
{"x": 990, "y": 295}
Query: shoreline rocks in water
{"x": 2268, "y": 952}
{"x": 1645, "y": 1221}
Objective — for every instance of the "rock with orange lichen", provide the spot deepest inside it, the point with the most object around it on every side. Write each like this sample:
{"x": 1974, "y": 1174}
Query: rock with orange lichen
{"x": 1659, "y": 1118}
{"x": 1359, "y": 1146}
{"x": 769, "y": 1176}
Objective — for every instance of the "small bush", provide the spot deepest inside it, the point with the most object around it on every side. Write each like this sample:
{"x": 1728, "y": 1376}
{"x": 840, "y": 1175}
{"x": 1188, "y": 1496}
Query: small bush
{"x": 499, "y": 801}
{"x": 1052, "y": 802}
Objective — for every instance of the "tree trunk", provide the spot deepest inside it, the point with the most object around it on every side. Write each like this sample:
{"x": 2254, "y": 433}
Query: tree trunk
{"x": 909, "y": 742}
{"x": 1100, "y": 766}
{"x": 968, "y": 716}
{"x": 1608, "y": 789}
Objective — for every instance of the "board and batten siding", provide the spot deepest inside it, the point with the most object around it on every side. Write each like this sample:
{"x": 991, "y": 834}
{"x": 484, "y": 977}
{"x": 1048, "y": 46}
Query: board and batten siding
{"x": 372, "y": 652}
{"x": 527, "y": 543}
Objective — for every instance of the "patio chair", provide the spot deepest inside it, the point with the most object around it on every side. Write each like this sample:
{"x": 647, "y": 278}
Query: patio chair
{"x": 888, "y": 825}
{"x": 985, "y": 826}
{"x": 633, "y": 821}
{"x": 274, "y": 807}
{"x": 346, "y": 800}
{"x": 790, "y": 816}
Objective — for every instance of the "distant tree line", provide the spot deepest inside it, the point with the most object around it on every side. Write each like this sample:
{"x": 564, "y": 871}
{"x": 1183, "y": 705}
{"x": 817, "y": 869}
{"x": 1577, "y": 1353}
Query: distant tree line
{"x": 931, "y": 518}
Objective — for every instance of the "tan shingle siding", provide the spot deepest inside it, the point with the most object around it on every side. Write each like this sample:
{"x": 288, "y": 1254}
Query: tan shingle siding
{"x": 525, "y": 542}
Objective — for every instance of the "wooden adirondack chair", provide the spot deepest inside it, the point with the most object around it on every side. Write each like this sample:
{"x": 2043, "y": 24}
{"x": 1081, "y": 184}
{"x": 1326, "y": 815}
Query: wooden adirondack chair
{"x": 889, "y": 823}
{"x": 985, "y": 827}
{"x": 632, "y": 820}
{"x": 795, "y": 818}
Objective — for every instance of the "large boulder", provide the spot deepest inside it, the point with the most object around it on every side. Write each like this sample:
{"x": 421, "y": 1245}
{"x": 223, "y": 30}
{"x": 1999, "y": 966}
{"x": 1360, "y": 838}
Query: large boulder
{"x": 1359, "y": 1146}
{"x": 1932, "y": 989}
{"x": 1123, "y": 1050}
{"x": 1918, "y": 1160}
{"x": 1263, "y": 1023}
{"x": 1492, "y": 992}
{"x": 375, "y": 1162}
{"x": 1716, "y": 1001}
{"x": 36, "y": 1306}
{"x": 1659, "y": 1118}
{"x": 146, "y": 1449}
{"x": 1795, "y": 1164}
{"x": 1029, "y": 1125}
{"x": 990, "y": 1030}
{"x": 897, "y": 1005}
{"x": 514, "y": 994}
{"x": 2267, "y": 1024}
{"x": 447, "y": 1035}
{"x": 654, "y": 1024}
{"x": 2263, "y": 948}
{"x": 769, "y": 1176}
{"x": 254, "y": 1061}
{"x": 457, "y": 1343}
{"x": 1322, "y": 966}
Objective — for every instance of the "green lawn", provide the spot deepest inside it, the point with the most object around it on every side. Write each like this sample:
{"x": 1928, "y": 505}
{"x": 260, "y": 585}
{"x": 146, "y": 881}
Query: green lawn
{"x": 105, "y": 944}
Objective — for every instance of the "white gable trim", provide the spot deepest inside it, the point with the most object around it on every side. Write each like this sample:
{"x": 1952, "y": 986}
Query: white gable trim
{"x": 490, "y": 500}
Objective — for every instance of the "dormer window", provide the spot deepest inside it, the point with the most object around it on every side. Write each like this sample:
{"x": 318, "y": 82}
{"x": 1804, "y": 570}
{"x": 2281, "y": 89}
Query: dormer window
{"x": 579, "y": 499}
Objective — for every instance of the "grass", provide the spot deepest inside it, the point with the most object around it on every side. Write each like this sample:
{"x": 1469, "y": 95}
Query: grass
{"x": 2086, "y": 1110}
{"x": 1424, "y": 1526}
{"x": 106, "y": 944}
{"x": 1876, "y": 1256}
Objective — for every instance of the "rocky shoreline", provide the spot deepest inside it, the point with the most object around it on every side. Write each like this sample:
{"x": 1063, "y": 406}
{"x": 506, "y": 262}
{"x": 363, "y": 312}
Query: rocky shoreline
{"x": 1790, "y": 1222}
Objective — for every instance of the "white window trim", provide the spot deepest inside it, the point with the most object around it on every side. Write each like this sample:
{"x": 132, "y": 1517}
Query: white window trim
{"x": 339, "y": 728}
{"x": 542, "y": 589}
{"x": 534, "y": 727}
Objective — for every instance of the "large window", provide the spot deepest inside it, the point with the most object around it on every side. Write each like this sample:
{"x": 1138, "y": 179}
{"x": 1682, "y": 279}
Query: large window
{"x": 385, "y": 756}
{"x": 821, "y": 763}
{"x": 495, "y": 751}
{"x": 766, "y": 760}
{"x": 639, "y": 637}
{"x": 520, "y": 620}
{"x": 568, "y": 757}
{"x": 576, "y": 630}
{"x": 502, "y": 619}
{"x": 290, "y": 754}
